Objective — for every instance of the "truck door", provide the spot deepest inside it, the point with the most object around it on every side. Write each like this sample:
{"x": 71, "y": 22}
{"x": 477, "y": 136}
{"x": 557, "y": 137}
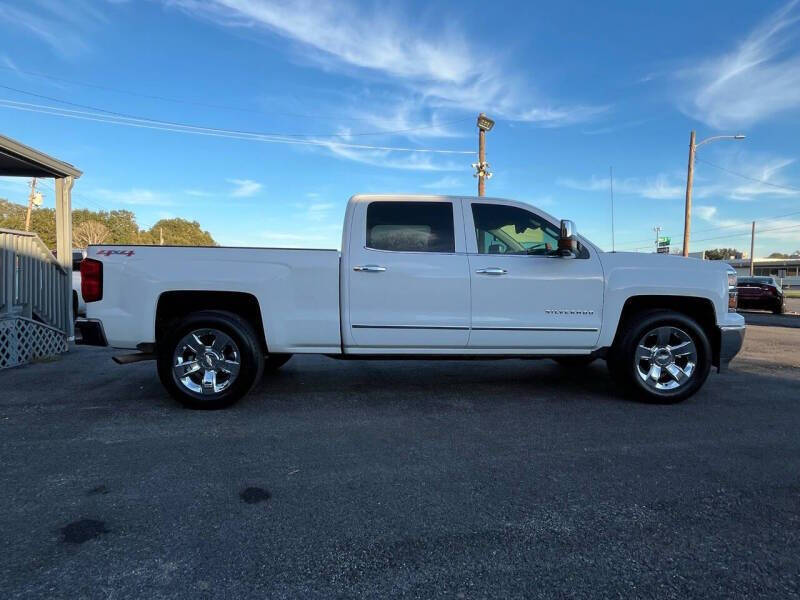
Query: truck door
{"x": 407, "y": 276}
{"x": 523, "y": 295}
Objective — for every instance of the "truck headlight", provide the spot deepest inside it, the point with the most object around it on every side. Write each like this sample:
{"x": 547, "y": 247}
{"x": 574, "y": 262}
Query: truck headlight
{"x": 733, "y": 291}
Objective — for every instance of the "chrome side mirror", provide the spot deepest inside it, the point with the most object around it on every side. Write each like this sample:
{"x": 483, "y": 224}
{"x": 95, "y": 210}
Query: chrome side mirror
{"x": 568, "y": 240}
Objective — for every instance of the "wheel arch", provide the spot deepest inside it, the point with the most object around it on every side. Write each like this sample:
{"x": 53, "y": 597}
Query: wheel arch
{"x": 175, "y": 304}
{"x": 700, "y": 309}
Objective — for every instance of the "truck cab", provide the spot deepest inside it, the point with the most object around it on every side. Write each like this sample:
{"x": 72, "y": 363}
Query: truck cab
{"x": 451, "y": 275}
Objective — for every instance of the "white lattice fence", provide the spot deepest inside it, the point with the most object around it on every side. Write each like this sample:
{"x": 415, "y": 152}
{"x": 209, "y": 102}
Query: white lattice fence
{"x": 24, "y": 340}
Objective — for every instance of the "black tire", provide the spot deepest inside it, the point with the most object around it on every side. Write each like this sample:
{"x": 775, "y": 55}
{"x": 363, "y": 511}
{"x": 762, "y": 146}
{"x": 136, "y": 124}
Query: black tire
{"x": 575, "y": 361}
{"x": 250, "y": 354}
{"x": 626, "y": 371}
{"x": 779, "y": 309}
{"x": 274, "y": 362}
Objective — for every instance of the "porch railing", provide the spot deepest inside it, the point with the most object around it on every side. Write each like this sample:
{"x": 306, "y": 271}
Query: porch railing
{"x": 32, "y": 283}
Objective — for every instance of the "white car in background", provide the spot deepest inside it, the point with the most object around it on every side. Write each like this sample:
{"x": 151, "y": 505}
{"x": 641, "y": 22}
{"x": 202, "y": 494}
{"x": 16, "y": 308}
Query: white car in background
{"x": 78, "y": 305}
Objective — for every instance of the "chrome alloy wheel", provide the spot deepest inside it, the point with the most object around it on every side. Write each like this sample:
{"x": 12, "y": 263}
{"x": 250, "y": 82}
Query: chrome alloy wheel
{"x": 206, "y": 361}
{"x": 665, "y": 358}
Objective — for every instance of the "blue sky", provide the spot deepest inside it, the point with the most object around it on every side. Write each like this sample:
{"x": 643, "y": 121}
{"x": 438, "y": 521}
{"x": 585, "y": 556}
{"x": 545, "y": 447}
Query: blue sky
{"x": 575, "y": 88}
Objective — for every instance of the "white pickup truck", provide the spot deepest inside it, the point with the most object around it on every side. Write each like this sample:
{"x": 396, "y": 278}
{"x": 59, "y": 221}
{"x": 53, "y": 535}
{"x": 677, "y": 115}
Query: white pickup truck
{"x": 417, "y": 277}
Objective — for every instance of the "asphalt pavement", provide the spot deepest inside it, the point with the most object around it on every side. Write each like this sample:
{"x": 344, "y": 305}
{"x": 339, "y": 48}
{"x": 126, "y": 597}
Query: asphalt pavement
{"x": 474, "y": 479}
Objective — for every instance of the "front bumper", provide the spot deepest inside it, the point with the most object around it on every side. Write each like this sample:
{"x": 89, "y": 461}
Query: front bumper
{"x": 731, "y": 339}
{"x": 89, "y": 332}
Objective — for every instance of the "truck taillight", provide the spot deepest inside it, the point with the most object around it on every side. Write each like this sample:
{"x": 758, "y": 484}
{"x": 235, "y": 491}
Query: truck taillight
{"x": 91, "y": 280}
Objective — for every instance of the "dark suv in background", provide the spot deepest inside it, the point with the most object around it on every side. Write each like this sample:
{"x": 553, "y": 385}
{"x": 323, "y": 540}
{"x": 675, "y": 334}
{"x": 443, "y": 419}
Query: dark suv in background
{"x": 764, "y": 293}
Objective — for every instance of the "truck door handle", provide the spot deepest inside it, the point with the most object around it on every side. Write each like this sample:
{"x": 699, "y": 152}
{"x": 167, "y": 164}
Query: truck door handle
{"x": 369, "y": 268}
{"x": 492, "y": 271}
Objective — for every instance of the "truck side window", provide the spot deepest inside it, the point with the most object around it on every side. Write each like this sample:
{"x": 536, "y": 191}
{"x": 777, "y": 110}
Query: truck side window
{"x": 411, "y": 226}
{"x": 503, "y": 229}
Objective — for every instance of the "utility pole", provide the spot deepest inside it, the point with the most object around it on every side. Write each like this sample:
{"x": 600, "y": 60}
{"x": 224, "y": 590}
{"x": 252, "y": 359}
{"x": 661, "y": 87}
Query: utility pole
{"x": 161, "y": 234}
{"x": 658, "y": 231}
{"x": 752, "y": 246}
{"x": 482, "y": 167}
{"x": 687, "y": 217}
{"x": 31, "y": 198}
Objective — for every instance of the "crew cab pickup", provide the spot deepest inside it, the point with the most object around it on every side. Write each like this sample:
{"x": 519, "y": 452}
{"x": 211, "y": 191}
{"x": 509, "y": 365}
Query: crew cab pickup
{"x": 417, "y": 277}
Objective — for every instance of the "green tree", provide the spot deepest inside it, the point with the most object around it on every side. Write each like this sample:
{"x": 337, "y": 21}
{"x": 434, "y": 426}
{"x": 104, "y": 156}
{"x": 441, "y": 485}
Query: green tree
{"x": 722, "y": 253}
{"x": 180, "y": 232}
{"x": 121, "y": 226}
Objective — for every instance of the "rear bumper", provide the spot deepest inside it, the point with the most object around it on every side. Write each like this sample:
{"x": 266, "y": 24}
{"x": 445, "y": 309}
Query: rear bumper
{"x": 731, "y": 339}
{"x": 763, "y": 302}
{"x": 89, "y": 332}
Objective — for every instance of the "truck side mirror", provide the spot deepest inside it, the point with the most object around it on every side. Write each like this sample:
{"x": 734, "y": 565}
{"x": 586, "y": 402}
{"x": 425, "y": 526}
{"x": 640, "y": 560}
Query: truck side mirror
{"x": 568, "y": 240}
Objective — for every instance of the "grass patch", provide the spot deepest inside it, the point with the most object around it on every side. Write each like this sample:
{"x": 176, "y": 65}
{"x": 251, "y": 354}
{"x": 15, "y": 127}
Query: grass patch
{"x": 792, "y": 293}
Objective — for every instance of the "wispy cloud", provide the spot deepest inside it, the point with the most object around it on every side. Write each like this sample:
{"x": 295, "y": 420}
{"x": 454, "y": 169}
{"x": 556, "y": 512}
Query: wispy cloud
{"x": 319, "y": 236}
{"x": 315, "y": 212}
{"x": 244, "y": 188}
{"x": 393, "y": 160}
{"x": 660, "y": 187}
{"x": 197, "y": 193}
{"x": 408, "y": 118}
{"x": 131, "y": 197}
{"x": 767, "y": 171}
{"x": 769, "y": 232}
{"x": 438, "y": 64}
{"x": 704, "y": 212}
{"x": 758, "y": 79}
{"x": 713, "y": 183}
{"x": 60, "y": 25}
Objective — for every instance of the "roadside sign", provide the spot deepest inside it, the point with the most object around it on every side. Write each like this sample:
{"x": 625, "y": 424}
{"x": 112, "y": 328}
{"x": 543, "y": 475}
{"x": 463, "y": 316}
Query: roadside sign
{"x": 664, "y": 241}
{"x": 663, "y": 249}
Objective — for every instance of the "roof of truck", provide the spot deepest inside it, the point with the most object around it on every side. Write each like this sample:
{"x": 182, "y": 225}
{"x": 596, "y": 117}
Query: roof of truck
{"x": 423, "y": 197}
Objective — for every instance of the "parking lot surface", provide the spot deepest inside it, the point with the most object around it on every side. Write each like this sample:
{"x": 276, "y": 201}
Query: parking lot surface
{"x": 421, "y": 479}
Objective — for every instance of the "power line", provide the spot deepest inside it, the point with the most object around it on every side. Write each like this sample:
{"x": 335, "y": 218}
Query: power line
{"x": 722, "y": 237}
{"x": 299, "y": 135}
{"x": 761, "y": 181}
{"x": 183, "y": 100}
{"x": 144, "y": 123}
{"x": 74, "y": 196}
{"x": 791, "y": 214}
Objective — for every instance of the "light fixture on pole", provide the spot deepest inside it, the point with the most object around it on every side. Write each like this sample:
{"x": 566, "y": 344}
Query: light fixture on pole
{"x": 687, "y": 217}
{"x": 482, "y": 167}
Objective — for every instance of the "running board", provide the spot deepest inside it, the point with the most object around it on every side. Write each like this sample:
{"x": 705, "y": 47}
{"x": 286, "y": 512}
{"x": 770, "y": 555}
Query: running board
{"x": 127, "y": 359}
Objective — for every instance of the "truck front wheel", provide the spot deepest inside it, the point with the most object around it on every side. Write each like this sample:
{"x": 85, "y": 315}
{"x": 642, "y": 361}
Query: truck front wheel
{"x": 663, "y": 356}
{"x": 210, "y": 359}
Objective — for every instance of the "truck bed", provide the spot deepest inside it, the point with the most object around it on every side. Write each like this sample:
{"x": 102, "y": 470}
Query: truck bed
{"x": 297, "y": 290}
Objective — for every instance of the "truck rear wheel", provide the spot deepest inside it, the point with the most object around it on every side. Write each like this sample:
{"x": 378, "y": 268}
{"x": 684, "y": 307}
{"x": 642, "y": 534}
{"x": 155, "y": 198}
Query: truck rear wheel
{"x": 210, "y": 359}
{"x": 663, "y": 356}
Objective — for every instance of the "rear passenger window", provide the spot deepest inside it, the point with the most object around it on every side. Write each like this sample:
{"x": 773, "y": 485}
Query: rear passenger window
{"x": 411, "y": 226}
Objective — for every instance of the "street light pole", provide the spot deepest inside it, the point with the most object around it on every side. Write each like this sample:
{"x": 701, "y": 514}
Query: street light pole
{"x": 481, "y": 161}
{"x": 687, "y": 217}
